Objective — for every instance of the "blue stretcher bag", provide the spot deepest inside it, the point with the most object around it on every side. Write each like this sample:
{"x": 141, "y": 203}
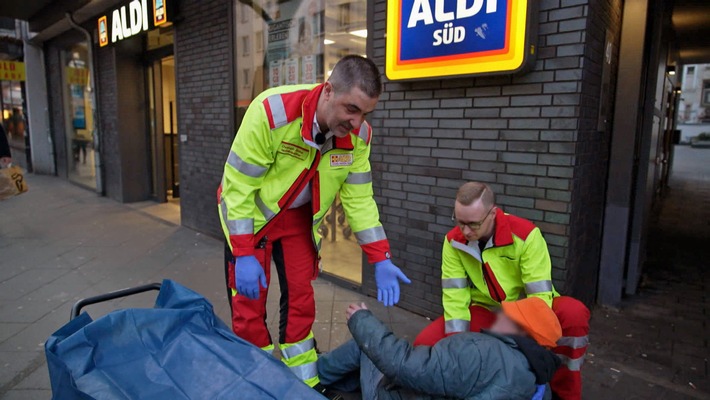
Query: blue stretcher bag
{"x": 178, "y": 350}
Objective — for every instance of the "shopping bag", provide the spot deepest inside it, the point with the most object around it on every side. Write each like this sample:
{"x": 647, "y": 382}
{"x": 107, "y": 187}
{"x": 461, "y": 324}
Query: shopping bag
{"x": 12, "y": 182}
{"x": 177, "y": 350}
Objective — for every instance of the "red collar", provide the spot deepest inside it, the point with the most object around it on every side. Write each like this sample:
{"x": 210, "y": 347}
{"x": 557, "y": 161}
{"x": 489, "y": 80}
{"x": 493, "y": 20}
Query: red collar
{"x": 308, "y": 110}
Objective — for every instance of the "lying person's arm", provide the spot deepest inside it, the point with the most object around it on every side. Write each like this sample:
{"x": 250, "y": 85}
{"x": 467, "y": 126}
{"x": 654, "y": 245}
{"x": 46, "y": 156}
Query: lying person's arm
{"x": 433, "y": 370}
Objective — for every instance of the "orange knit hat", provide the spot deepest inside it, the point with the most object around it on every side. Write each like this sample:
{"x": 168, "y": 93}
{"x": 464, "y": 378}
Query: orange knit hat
{"x": 536, "y": 318}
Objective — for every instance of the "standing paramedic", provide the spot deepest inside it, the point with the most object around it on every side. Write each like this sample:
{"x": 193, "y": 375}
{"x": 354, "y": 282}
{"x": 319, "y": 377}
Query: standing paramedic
{"x": 296, "y": 149}
{"x": 491, "y": 257}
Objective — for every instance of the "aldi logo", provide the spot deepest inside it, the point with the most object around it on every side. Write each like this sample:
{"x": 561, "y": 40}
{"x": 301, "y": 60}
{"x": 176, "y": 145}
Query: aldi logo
{"x": 443, "y": 38}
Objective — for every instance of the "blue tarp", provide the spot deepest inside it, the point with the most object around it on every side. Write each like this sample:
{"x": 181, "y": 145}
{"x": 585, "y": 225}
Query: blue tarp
{"x": 177, "y": 350}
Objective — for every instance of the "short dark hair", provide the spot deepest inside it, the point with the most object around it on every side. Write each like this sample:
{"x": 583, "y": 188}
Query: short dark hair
{"x": 470, "y": 192}
{"x": 356, "y": 71}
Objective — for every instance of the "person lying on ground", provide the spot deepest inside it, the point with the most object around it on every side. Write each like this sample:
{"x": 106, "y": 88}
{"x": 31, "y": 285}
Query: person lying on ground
{"x": 510, "y": 361}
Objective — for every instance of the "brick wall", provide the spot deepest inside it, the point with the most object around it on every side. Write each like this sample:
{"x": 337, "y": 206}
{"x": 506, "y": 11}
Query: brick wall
{"x": 528, "y": 136}
{"x": 203, "y": 67}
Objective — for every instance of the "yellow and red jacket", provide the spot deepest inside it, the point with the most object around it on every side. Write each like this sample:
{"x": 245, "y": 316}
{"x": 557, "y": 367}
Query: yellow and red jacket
{"x": 274, "y": 157}
{"x": 515, "y": 263}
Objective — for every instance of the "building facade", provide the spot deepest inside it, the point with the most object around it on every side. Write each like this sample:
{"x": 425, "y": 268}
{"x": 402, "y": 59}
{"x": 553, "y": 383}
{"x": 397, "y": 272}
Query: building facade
{"x": 152, "y": 114}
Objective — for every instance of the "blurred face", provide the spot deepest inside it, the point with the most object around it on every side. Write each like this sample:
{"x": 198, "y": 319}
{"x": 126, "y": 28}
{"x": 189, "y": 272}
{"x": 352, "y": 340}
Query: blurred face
{"x": 344, "y": 111}
{"x": 506, "y": 326}
{"x": 475, "y": 220}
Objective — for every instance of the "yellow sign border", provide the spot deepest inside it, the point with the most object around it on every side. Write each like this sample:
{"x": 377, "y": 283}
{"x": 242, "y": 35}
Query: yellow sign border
{"x": 513, "y": 61}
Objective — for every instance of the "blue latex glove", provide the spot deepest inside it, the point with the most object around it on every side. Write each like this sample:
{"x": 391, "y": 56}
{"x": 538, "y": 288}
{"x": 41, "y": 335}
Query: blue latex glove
{"x": 539, "y": 393}
{"x": 248, "y": 273}
{"x": 387, "y": 276}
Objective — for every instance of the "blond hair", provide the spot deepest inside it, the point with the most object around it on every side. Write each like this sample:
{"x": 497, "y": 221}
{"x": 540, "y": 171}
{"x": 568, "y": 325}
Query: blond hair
{"x": 471, "y": 192}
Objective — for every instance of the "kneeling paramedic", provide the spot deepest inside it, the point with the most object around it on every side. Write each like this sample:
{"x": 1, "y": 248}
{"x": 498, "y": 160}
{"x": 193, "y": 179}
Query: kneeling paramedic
{"x": 491, "y": 257}
{"x": 510, "y": 361}
{"x": 296, "y": 149}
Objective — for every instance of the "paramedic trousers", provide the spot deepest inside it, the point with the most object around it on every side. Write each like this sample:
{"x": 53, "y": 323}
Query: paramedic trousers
{"x": 571, "y": 348}
{"x": 288, "y": 241}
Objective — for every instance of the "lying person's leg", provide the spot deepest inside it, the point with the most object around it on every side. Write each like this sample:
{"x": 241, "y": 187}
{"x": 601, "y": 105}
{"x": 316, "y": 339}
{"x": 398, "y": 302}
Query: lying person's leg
{"x": 340, "y": 368}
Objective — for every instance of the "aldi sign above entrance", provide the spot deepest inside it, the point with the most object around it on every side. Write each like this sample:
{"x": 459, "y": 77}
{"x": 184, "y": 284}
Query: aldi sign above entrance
{"x": 444, "y": 38}
{"x": 133, "y": 18}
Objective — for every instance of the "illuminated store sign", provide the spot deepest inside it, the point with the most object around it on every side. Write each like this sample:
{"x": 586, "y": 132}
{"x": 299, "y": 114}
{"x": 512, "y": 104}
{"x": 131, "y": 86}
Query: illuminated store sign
{"x": 443, "y": 38}
{"x": 131, "y": 19}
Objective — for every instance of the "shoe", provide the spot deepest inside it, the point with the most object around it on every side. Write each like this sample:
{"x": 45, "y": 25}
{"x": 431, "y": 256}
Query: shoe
{"x": 327, "y": 393}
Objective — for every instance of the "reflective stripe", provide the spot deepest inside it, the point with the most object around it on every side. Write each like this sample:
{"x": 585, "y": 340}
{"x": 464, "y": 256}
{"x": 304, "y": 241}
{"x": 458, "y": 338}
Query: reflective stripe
{"x": 575, "y": 342}
{"x": 268, "y": 214}
{"x": 538, "y": 287}
{"x": 298, "y": 348}
{"x": 454, "y": 283}
{"x": 358, "y": 178}
{"x": 371, "y": 235}
{"x": 236, "y": 226}
{"x": 278, "y": 111}
{"x": 457, "y": 325}
{"x": 475, "y": 253}
{"x": 244, "y": 167}
{"x": 305, "y": 371}
{"x": 572, "y": 364}
{"x": 364, "y": 133}
{"x": 269, "y": 349}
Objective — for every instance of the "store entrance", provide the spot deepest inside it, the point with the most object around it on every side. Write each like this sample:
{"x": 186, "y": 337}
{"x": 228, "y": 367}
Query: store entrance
{"x": 163, "y": 130}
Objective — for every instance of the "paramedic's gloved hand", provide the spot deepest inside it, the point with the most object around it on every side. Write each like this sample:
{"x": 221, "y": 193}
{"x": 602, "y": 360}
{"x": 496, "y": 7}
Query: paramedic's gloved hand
{"x": 248, "y": 273}
{"x": 387, "y": 276}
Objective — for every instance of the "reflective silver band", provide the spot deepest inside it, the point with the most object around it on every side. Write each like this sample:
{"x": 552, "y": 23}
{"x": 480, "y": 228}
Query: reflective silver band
{"x": 364, "y": 132}
{"x": 236, "y": 226}
{"x": 268, "y": 214}
{"x": 572, "y": 364}
{"x": 538, "y": 287}
{"x": 371, "y": 235}
{"x": 454, "y": 283}
{"x": 305, "y": 371}
{"x": 244, "y": 167}
{"x": 457, "y": 325}
{"x": 278, "y": 111}
{"x": 467, "y": 249}
{"x": 575, "y": 342}
{"x": 359, "y": 178}
{"x": 298, "y": 348}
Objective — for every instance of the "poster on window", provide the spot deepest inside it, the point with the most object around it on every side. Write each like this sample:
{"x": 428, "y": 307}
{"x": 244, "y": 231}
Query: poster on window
{"x": 275, "y": 73}
{"x": 294, "y": 32}
{"x": 308, "y": 67}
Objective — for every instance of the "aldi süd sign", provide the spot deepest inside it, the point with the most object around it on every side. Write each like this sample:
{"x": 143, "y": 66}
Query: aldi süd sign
{"x": 445, "y": 38}
{"x": 133, "y": 18}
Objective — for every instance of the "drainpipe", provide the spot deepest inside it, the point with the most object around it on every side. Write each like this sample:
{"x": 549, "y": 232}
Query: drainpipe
{"x": 93, "y": 88}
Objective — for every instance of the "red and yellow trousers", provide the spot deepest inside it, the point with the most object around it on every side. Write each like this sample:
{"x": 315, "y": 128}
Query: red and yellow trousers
{"x": 571, "y": 348}
{"x": 288, "y": 241}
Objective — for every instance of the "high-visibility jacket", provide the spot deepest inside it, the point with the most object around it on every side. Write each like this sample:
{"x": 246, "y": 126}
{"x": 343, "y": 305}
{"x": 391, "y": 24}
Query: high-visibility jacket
{"x": 274, "y": 157}
{"x": 515, "y": 263}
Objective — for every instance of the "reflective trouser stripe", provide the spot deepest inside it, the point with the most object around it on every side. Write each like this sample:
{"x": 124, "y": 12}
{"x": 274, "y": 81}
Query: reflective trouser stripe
{"x": 538, "y": 287}
{"x": 454, "y": 283}
{"x": 252, "y": 170}
{"x": 270, "y": 348}
{"x": 298, "y": 348}
{"x": 301, "y": 358}
{"x": 236, "y": 226}
{"x": 278, "y": 111}
{"x": 371, "y": 235}
{"x": 358, "y": 178}
{"x": 573, "y": 364}
{"x": 575, "y": 342}
{"x": 456, "y": 325}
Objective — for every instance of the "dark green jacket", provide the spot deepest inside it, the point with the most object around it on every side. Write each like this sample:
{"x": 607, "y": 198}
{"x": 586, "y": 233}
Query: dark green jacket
{"x": 463, "y": 366}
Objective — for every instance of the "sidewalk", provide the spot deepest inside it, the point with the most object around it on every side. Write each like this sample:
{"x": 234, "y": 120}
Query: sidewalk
{"x": 60, "y": 243}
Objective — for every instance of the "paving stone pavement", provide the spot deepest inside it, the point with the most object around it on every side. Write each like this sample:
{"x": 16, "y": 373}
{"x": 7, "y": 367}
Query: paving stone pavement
{"x": 59, "y": 243}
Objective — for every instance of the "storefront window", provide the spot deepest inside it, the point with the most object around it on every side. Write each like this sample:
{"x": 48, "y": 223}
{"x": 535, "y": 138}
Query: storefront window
{"x": 79, "y": 114}
{"x": 13, "y": 118}
{"x": 298, "y": 42}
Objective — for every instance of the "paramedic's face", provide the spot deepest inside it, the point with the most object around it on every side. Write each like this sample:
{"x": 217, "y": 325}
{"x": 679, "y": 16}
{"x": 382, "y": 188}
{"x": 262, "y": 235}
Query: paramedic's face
{"x": 475, "y": 220}
{"x": 346, "y": 110}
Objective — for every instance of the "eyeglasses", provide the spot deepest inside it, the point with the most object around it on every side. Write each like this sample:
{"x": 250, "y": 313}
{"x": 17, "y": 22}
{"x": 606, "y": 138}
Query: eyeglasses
{"x": 474, "y": 226}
